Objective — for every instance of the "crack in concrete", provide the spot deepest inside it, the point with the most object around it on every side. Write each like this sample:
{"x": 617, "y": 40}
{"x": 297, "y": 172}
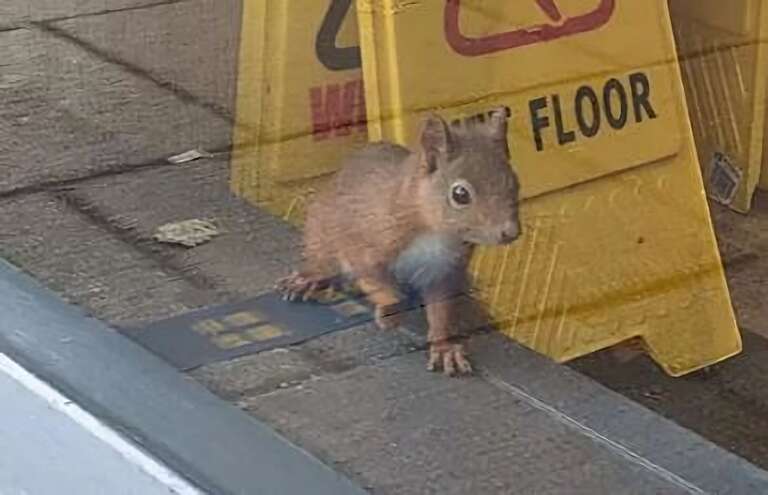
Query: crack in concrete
{"x": 12, "y": 27}
{"x": 98, "y": 13}
{"x": 25, "y": 25}
{"x": 110, "y": 171}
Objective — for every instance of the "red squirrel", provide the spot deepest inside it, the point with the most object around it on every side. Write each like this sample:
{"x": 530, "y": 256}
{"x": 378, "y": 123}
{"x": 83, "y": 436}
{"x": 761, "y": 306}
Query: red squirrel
{"x": 392, "y": 219}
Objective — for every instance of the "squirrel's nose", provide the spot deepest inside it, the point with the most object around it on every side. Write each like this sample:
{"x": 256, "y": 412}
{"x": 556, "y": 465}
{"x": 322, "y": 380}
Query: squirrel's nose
{"x": 510, "y": 231}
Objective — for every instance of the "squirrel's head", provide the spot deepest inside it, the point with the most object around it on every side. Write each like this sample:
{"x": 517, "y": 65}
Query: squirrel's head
{"x": 465, "y": 172}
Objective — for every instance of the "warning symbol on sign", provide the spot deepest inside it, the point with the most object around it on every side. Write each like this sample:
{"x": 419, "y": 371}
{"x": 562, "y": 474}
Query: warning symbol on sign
{"x": 559, "y": 26}
{"x": 328, "y": 53}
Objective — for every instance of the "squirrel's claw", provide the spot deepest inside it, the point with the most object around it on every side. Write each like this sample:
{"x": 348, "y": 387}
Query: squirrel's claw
{"x": 450, "y": 357}
{"x": 297, "y": 287}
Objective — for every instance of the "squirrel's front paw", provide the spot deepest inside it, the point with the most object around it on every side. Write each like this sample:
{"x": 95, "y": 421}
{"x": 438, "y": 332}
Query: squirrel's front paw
{"x": 451, "y": 357}
{"x": 299, "y": 287}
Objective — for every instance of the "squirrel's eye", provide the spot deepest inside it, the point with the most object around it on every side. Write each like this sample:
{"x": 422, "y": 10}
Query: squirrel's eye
{"x": 461, "y": 194}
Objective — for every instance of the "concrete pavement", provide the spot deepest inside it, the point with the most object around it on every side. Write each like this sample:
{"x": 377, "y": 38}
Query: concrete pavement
{"x": 529, "y": 427}
{"x": 97, "y": 94}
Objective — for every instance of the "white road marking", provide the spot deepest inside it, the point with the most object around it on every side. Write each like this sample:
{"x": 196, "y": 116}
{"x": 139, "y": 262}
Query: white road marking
{"x": 95, "y": 427}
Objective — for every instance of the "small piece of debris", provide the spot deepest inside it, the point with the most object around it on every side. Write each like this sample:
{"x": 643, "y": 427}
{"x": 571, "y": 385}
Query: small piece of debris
{"x": 724, "y": 179}
{"x": 653, "y": 394}
{"x": 189, "y": 233}
{"x": 188, "y": 156}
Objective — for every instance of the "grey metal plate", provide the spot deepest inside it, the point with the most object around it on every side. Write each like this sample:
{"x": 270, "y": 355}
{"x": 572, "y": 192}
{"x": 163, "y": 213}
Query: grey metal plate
{"x": 228, "y": 331}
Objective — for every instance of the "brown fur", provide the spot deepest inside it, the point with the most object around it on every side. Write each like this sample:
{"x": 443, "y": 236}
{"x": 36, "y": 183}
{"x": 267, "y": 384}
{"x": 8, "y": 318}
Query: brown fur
{"x": 389, "y": 204}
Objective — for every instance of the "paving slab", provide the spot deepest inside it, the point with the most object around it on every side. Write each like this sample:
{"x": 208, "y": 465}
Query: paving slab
{"x": 15, "y": 12}
{"x": 89, "y": 266}
{"x": 67, "y": 113}
{"x": 171, "y": 43}
{"x": 743, "y": 241}
{"x": 252, "y": 251}
{"x": 523, "y": 426}
{"x": 251, "y": 376}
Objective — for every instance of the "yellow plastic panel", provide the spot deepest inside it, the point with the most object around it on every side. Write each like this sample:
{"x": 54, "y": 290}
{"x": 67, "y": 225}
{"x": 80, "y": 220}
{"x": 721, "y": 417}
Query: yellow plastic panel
{"x": 520, "y": 77}
{"x": 737, "y": 17}
{"x": 617, "y": 241}
{"x": 725, "y": 63}
{"x": 763, "y": 183}
{"x": 301, "y": 103}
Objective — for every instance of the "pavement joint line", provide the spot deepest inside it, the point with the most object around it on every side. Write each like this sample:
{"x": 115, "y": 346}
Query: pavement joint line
{"x": 418, "y": 346}
{"x": 573, "y": 423}
{"x": 107, "y": 11}
{"x": 28, "y": 25}
{"x": 326, "y": 372}
{"x": 112, "y": 171}
{"x": 12, "y": 27}
{"x": 174, "y": 88}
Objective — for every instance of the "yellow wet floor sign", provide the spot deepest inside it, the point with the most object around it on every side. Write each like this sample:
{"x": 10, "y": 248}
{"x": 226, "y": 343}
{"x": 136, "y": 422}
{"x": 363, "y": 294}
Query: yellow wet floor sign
{"x": 300, "y": 104}
{"x": 724, "y": 56}
{"x": 618, "y": 241}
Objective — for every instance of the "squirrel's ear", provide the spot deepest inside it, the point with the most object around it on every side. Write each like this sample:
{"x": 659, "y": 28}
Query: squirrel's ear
{"x": 436, "y": 140}
{"x": 498, "y": 122}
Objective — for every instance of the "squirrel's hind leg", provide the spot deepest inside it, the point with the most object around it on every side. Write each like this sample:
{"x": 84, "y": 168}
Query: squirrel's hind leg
{"x": 382, "y": 293}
